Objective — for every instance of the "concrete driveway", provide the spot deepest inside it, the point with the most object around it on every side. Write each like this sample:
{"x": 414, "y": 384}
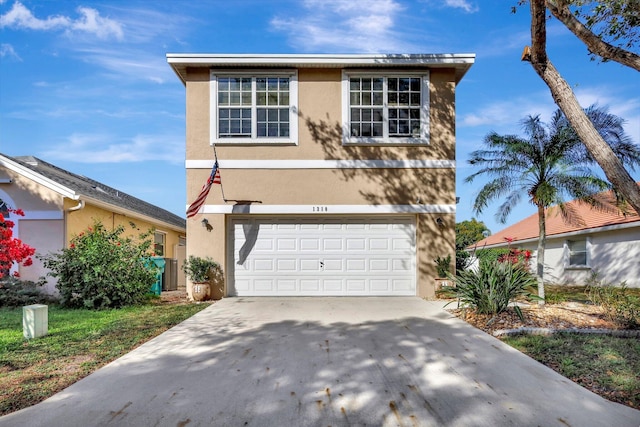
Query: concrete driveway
{"x": 324, "y": 362}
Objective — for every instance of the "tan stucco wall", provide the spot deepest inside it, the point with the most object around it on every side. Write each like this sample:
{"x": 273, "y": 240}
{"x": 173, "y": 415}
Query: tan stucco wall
{"x": 320, "y": 138}
{"x": 79, "y": 220}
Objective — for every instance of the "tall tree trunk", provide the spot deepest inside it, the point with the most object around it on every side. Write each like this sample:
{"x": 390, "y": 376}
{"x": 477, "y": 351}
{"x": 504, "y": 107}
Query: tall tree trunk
{"x": 567, "y": 102}
{"x": 542, "y": 241}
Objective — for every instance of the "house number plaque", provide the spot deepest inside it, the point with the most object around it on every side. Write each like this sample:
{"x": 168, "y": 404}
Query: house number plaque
{"x": 320, "y": 209}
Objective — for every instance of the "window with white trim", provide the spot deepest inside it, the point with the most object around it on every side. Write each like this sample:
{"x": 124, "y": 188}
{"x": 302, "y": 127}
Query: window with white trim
{"x": 577, "y": 253}
{"x": 254, "y": 107}
{"x": 385, "y": 108}
{"x": 158, "y": 243}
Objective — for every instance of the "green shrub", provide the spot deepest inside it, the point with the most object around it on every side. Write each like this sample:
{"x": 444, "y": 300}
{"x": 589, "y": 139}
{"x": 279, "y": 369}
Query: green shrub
{"x": 199, "y": 270}
{"x": 620, "y": 305}
{"x": 102, "y": 269}
{"x": 494, "y": 285}
{"x": 17, "y": 293}
{"x": 443, "y": 265}
{"x": 492, "y": 254}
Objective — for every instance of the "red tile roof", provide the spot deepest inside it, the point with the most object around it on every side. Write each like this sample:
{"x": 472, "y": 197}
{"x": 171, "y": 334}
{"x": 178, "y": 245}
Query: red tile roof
{"x": 586, "y": 218}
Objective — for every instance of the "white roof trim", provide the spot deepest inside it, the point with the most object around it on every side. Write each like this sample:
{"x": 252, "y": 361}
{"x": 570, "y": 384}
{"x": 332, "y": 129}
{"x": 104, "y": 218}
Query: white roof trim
{"x": 321, "y": 59}
{"x": 605, "y": 228}
{"x": 460, "y": 61}
{"x": 40, "y": 179}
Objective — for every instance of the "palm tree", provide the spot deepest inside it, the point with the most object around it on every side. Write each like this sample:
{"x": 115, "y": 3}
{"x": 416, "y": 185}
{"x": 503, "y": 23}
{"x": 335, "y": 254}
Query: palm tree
{"x": 547, "y": 165}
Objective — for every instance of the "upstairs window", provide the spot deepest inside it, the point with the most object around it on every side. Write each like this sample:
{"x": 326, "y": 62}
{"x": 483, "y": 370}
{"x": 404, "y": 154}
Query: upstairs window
{"x": 254, "y": 108}
{"x": 379, "y": 109}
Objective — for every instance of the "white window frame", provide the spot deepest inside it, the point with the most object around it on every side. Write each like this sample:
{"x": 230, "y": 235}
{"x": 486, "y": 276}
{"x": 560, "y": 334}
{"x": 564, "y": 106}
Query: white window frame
{"x": 567, "y": 250}
{"x": 347, "y": 139}
{"x": 163, "y": 244}
{"x": 292, "y": 139}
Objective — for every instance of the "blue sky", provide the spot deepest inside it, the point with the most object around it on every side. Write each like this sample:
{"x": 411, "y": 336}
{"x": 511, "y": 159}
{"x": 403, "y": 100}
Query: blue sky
{"x": 85, "y": 84}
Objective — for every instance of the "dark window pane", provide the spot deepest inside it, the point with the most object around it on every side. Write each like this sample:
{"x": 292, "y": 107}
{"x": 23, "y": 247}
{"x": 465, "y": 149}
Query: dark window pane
{"x": 261, "y": 83}
{"x": 366, "y": 115}
{"x": 284, "y": 129}
{"x": 354, "y": 84}
{"x": 262, "y": 114}
{"x": 377, "y": 115}
{"x": 378, "y": 84}
{"x": 262, "y": 129}
{"x": 355, "y": 129}
{"x": 284, "y": 115}
{"x": 273, "y": 129}
{"x": 392, "y": 84}
{"x": 393, "y": 98}
{"x": 404, "y": 84}
{"x": 272, "y": 115}
{"x": 366, "y": 84}
{"x": 404, "y": 98}
{"x": 377, "y": 98}
{"x": 415, "y": 99}
{"x": 377, "y": 129}
{"x": 234, "y": 113}
{"x": 393, "y": 113}
{"x": 246, "y": 127}
{"x": 366, "y": 129}
{"x": 355, "y": 115}
{"x": 224, "y": 126}
{"x": 415, "y": 85}
{"x": 415, "y": 113}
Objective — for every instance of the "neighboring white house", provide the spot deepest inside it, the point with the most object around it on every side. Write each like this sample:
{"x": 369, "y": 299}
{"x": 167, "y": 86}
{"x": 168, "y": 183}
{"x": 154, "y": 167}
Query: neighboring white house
{"x": 606, "y": 242}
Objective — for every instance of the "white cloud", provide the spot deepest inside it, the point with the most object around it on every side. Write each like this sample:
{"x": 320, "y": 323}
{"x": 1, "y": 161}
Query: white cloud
{"x": 90, "y": 22}
{"x": 100, "y": 148}
{"x": 462, "y": 4}
{"x": 7, "y": 50}
{"x": 509, "y": 113}
{"x": 133, "y": 63}
{"x": 345, "y": 25}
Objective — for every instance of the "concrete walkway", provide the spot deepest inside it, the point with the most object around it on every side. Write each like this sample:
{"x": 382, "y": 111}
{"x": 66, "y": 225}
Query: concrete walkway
{"x": 324, "y": 362}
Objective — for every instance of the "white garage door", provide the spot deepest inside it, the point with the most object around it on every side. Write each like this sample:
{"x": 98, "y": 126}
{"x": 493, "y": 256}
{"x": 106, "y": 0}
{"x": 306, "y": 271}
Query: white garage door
{"x": 323, "y": 256}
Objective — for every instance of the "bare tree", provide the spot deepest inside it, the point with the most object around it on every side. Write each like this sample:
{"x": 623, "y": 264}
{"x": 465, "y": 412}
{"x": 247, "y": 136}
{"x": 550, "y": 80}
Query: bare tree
{"x": 565, "y": 98}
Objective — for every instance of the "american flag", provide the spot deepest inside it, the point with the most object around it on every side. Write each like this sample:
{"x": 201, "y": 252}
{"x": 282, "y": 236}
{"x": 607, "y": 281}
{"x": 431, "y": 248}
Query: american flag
{"x": 214, "y": 178}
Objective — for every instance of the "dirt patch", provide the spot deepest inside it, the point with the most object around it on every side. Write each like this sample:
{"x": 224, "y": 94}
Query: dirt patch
{"x": 564, "y": 315}
{"x": 174, "y": 297}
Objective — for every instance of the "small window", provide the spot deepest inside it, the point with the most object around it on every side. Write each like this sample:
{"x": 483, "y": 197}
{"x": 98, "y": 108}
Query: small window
{"x": 158, "y": 243}
{"x": 577, "y": 252}
{"x": 385, "y": 108}
{"x": 254, "y": 108}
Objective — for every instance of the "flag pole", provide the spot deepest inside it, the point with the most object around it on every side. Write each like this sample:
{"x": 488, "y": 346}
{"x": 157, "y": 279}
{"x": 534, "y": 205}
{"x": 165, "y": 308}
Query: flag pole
{"x": 215, "y": 155}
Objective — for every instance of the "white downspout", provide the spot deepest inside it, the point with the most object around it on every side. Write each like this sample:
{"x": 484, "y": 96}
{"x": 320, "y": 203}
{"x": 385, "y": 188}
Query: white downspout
{"x": 79, "y": 206}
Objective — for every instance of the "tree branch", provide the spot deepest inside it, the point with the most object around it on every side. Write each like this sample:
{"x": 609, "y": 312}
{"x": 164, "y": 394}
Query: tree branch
{"x": 560, "y": 10}
{"x": 567, "y": 102}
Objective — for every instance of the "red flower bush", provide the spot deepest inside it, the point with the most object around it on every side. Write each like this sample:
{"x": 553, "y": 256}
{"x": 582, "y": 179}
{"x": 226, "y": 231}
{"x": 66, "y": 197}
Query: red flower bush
{"x": 12, "y": 250}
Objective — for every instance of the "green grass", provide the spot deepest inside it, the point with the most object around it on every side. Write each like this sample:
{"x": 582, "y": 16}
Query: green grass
{"x": 78, "y": 343}
{"x": 555, "y": 294}
{"x": 606, "y": 365}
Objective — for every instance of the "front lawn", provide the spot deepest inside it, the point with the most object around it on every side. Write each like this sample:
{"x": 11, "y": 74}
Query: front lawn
{"x": 79, "y": 342}
{"x": 606, "y": 365}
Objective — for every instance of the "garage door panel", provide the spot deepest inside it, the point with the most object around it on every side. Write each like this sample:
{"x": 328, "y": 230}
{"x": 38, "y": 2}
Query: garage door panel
{"x": 322, "y": 256}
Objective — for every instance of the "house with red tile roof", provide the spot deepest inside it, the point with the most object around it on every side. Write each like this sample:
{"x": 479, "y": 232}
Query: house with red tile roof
{"x": 603, "y": 241}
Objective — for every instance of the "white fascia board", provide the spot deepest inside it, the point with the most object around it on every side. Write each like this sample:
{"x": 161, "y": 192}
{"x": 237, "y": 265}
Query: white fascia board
{"x": 322, "y": 164}
{"x": 131, "y": 214}
{"x": 40, "y": 179}
{"x": 321, "y": 59}
{"x": 635, "y": 224}
{"x": 320, "y": 209}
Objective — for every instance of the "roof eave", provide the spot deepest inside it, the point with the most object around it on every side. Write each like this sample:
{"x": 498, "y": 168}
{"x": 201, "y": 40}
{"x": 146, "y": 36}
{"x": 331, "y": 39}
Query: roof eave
{"x": 132, "y": 213}
{"x": 180, "y": 61}
{"x": 40, "y": 179}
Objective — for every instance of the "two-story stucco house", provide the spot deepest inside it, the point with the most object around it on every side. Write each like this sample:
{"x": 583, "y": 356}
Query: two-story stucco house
{"x": 337, "y": 171}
